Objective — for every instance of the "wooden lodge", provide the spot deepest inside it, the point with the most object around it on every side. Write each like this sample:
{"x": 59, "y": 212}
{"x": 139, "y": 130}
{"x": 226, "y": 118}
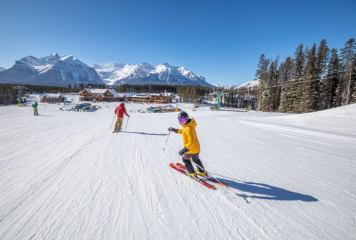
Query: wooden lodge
{"x": 101, "y": 95}
{"x": 152, "y": 98}
{"x": 52, "y": 98}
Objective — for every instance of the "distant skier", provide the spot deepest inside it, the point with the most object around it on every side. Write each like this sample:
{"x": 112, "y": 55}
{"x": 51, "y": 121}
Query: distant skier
{"x": 120, "y": 111}
{"x": 35, "y": 110}
{"x": 191, "y": 149}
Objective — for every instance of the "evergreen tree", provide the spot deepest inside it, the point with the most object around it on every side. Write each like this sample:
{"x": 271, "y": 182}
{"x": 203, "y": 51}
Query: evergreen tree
{"x": 285, "y": 78}
{"x": 262, "y": 75}
{"x": 310, "y": 83}
{"x": 273, "y": 86}
{"x": 347, "y": 86}
{"x": 298, "y": 73}
{"x": 322, "y": 58}
{"x": 314, "y": 79}
{"x": 321, "y": 70}
{"x": 332, "y": 81}
{"x": 353, "y": 82}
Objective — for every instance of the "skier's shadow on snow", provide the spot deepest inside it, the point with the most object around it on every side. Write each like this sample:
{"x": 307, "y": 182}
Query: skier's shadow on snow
{"x": 146, "y": 133}
{"x": 266, "y": 192}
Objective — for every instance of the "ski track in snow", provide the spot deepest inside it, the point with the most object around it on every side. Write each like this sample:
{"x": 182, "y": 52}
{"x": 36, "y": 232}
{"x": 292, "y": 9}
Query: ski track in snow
{"x": 64, "y": 175}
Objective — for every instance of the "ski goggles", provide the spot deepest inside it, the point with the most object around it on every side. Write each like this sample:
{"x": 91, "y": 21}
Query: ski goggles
{"x": 182, "y": 119}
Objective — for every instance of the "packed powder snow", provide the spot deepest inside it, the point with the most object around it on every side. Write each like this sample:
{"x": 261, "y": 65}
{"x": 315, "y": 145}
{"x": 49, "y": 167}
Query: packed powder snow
{"x": 65, "y": 175}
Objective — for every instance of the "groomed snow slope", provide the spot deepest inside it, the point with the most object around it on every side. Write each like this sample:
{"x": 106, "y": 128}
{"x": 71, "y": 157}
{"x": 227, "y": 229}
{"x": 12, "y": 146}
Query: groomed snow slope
{"x": 64, "y": 175}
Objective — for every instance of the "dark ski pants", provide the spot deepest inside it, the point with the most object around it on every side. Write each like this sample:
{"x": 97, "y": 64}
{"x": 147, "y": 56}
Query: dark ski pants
{"x": 187, "y": 158}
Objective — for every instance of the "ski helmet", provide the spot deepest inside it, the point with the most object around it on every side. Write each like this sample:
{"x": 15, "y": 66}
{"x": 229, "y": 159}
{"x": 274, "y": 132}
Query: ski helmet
{"x": 183, "y": 116}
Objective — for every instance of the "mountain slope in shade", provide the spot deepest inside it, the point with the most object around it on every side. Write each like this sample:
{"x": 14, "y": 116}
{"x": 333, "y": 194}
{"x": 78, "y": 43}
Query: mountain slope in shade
{"x": 54, "y": 70}
{"x": 139, "y": 74}
{"x": 2, "y": 69}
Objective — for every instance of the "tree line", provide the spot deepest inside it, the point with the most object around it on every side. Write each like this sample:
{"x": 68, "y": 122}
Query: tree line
{"x": 316, "y": 78}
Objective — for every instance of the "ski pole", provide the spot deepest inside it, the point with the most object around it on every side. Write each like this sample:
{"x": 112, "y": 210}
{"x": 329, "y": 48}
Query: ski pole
{"x": 164, "y": 147}
{"x": 199, "y": 166}
{"x": 112, "y": 122}
{"x": 127, "y": 123}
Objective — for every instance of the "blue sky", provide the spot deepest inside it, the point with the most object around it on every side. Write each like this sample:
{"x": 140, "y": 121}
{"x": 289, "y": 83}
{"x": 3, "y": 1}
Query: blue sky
{"x": 218, "y": 39}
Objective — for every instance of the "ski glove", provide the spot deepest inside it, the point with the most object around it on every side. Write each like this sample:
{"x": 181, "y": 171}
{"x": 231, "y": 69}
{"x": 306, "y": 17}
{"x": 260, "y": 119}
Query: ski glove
{"x": 173, "y": 129}
{"x": 183, "y": 151}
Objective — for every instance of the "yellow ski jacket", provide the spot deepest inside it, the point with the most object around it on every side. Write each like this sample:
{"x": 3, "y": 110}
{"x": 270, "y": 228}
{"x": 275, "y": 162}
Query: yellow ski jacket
{"x": 190, "y": 138}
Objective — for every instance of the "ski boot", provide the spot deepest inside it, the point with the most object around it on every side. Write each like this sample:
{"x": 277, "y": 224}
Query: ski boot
{"x": 192, "y": 175}
{"x": 201, "y": 174}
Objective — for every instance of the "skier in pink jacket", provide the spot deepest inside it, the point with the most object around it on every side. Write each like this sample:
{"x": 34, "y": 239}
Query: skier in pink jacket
{"x": 119, "y": 112}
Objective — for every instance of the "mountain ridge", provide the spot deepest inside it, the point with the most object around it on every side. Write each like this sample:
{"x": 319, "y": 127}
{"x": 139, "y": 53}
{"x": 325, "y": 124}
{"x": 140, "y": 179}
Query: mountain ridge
{"x": 67, "y": 70}
{"x": 53, "y": 70}
{"x": 145, "y": 73}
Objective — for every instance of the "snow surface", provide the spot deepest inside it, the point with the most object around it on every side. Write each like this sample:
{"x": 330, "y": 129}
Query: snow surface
{"x": 64, "y": 175}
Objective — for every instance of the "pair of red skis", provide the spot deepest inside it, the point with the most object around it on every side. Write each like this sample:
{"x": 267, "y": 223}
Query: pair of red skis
{"x": 205, "y": 181}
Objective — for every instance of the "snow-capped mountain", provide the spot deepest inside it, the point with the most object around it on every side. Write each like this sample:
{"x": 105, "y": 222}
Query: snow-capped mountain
{"x": 56, "y": 70}
{"x": 2, "y": 69}
{"x": 117, "y": 74}
{"x": 224, "y": 86}
{"x": 53, "y": 70}
{"x": 249, "y": 84}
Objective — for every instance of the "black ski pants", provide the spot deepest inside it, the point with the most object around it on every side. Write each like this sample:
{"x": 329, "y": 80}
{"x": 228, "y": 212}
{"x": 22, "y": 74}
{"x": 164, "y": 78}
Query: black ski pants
{"x": 187, "y": 158}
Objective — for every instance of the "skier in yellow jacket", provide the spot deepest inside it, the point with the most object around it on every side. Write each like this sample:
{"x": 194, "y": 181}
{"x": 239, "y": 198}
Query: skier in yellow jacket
{"x": 191, "y": 149}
